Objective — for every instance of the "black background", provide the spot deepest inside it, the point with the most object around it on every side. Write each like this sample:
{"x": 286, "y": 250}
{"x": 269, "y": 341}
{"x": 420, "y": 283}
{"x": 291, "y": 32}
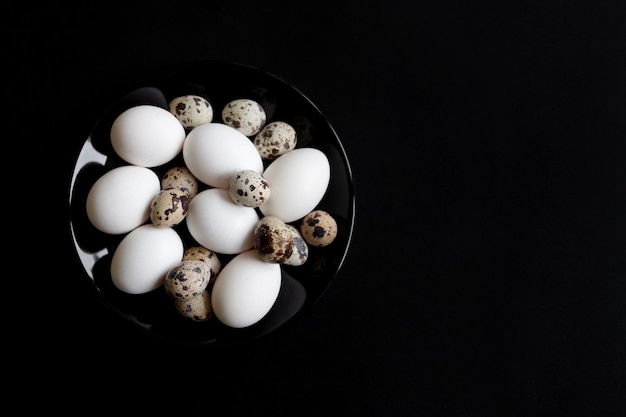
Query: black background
{"x": 487, "y": 273}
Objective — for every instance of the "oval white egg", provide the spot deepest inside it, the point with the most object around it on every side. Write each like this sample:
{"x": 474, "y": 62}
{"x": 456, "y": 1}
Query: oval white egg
{"x": 245, "y": 290}
{"x": 143, "y": 257}
{"x": 298, "y": 180}
{"x": 147, "y": 136}
{"x": 119, "y": 200}
{"x": 214, "y": 152}
{"x": 219, "y": 224}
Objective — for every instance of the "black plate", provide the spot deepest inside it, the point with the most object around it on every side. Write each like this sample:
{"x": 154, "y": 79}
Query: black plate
{"x": 219, "y": 82}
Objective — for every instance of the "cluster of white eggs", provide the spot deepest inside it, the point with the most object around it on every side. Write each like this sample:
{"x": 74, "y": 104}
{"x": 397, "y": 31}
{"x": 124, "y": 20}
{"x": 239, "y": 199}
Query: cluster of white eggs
{"x": 246, "y": 208}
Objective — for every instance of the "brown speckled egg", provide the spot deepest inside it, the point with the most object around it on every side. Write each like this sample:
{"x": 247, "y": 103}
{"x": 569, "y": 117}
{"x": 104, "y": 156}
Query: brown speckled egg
{"x": 180, "y": 177}
{"x": 273, "y": 240}
{"x": 197, "y": 308}
{"x": 191, "y": 110}
{"x": 318, "y": 228}
{"x": 301, "y": 249}
{"x": 245, "y": 115}
{"x": 169, "y": 207}
{"x": 275, "y": 139}
{"x": 248, "y": 188}
{"x": 187, "y": 279}
{"x": 206, "y": 255}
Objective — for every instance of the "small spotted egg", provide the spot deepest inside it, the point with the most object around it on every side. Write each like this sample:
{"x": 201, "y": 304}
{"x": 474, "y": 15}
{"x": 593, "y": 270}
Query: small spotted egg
{"x": 275, "y": 139}
{"x": 191, "y": 110}
{"x": 248, "y": 188}
{"x": 273, "y": 240}
{"x": 245, "y": 115}
{"x": 301, "y": 249}
{"x": 187, "y": 279}
{"x": 201, "y": 253}
{"x": 197, "y": 308}
{"x": 180, "y": 177}
{"x": 169, "y": 207}
{"x": 318, "y": 228}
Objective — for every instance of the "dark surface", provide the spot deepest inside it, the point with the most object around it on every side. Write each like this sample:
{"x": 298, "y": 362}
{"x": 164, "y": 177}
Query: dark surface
{"x": 487, "y": 274}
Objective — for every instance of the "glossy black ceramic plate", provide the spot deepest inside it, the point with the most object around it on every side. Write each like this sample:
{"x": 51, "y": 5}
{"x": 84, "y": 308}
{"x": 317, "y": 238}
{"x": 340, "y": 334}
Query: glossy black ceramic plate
{"x": 219, "y": 82}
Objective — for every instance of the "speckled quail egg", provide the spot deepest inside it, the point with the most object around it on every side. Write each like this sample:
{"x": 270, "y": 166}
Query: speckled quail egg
{"x": 191, "y": 110}
{"x": 187, "y": 279}
{"x": 197, "y": 308}
{"x": 245, "y": 115}
{"x": 203, "y": 254}
{"x": 180, "y": 177}
{"x": 248, "y": 188}
{"x": 169, "y": 207}
{"x": 301, "y": 250}
{"x": 275, "y": 139}
{"x": 318, "y": 228}
{"x": 273, "y": 240}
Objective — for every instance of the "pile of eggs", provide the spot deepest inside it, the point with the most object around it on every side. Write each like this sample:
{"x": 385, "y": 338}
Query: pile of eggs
{"x": 245, "y": 190}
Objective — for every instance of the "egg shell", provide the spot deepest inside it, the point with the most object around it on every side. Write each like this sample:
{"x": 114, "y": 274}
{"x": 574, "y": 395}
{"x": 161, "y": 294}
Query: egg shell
{"x": 180, "y": 177}
{"x": 187, "y": 279}
{"x": 300, "y": 252}
{"x": 214, "y": 152}
{"x": 191, "y": 110}
{"x": 147, "y": 135}
{"x": 245, "y": 290}
{"x": 298, "y": 180}
{"x": 216, "y": 222}
{"x": 169, "y": 207}
{"x": 196, "y": 308}
{"x": 318, "y": 228}
{"x": 249, "y": 188}
{"x": 119, "y": 200}
{"x": 273, "y": 240}
{"x": 203, "y": 254}
{"x": 143, "y": 257}
{"x": 275, "y": 139}
{"x": 245, "y": 115}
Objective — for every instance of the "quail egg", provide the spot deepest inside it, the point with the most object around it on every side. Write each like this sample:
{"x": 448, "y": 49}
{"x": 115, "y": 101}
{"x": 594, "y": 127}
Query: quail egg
{"x": 318, "y": 228}
{"x": 169, "y": 207}
{"x": 187, "y": 279}
{"x": 180, "y": 177}
{"x": 300, "y": 252}
{"x": 197, "y": 308}
{"x": 245, "y": 115}
{"x": 273, "y": 240}
{"x": 275, "y": 139}
{"x": 248, "y": 188}
{"x": 191, "y": 110}
{"x": 203, "y": 254}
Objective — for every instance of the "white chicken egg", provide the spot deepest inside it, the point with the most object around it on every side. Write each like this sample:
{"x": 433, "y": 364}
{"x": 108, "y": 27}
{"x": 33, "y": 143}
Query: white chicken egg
{"x": 147, "y": 136}
{"x": 219, "y": 224}
{"x": 214, "y": 152}
{"x": 245, "y": 290}
{"x": 143, "y": 257}
{"x": 298, "y": 180}
{"x": 119, "y": 200}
